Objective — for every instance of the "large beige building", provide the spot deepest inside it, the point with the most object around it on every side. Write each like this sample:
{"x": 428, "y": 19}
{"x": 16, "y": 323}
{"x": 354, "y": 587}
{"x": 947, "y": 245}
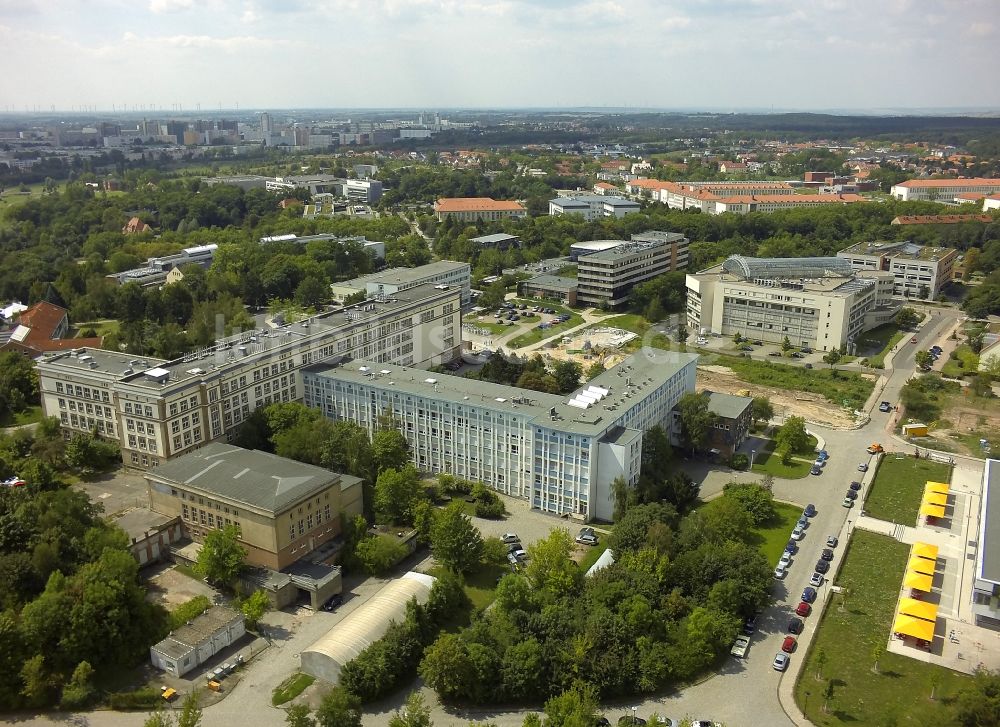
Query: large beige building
{"x": 943, "y": 190}
{"x": 817, "y": 302}
{"x": 284, "y": 509}
{"x": 918, "y": 271}
{"x": 159, "y": 409}
{"x": 472, "y": 209}
{"x": 715, "y": 198}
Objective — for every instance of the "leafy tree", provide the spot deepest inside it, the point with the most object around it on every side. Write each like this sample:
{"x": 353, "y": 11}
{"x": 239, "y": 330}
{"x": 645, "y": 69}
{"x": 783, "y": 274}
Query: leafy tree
{"x": 339, "y": 708}
{"x": 567, "y": 376}
{"x": 923, "y": 359}
{"x": 757, "y": 501}
{"x": 377, "y": 554}
{"x": 190, "y": 715}
{"x": 447, "y": 668}
{"x": 786, "y": 345}
{"x": 878, "y": 651}
{"x": 631, "y": 532}
{"x": 696, "y": 419}
{"x": 396, "y": 493}
{"x": 575, "y": 707}
{"x": 298, "y": 715}
{"x": 594, "y": 370}
{"x": 159, "y": 718}
{"x": 761, "y": 409}
{"x": 423, "y": 520}
{"x": 832, "y": 357}
{"x": 255, "y": 607}
{"x": 86, "y": 453}
{"x": 414, "y": 714}
{"x": 623, "y": 496}
{"x": 390, "y": 450}
{"x": 979, "y": 703}
{"x": 312, "y": 292}
{"x": 550, "y": 568}
{"x": 455, "y": 542}
{"x": 792, "y": 436}
{"x": 38, "y": 683}
{"x": 906, "y": 318}
{"x": 221, "y": 558}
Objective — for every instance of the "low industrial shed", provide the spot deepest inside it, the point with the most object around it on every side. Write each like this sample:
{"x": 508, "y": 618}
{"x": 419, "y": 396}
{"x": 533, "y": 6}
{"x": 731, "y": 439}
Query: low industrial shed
{"x": 198, "y": 641}
{"x": 364, "y": 626}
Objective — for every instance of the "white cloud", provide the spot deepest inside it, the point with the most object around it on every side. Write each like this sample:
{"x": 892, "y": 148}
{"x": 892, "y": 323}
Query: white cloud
{"x": 169, "y": 6}
{"x": 981, "y": 29}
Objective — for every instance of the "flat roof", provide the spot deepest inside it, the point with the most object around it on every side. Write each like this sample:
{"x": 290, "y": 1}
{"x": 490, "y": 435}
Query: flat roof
{"x": 495, "y": 237}
{"x": 476, "y": 204}
{"x": 623, "y": 249}
{"x": 552, "y": 282}
{"x": 988, "y": 553}
{"x": 140, "y": 520}
{"x": 728, "y": 406}
{"x": 596, "y": 245}
{"x": 900, "y": 249}
{"x": 623, "y": 385}
{"x": 199, "y": 630}
{"x": 406, "y": 275}
{"x": 257, "y": 479}
{"x": 214, "y": 360}
{"x": 840, "y": 285}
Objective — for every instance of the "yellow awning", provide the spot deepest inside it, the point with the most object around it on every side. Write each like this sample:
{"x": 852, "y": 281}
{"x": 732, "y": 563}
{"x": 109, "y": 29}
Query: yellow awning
{"x": 942, "y": 487}
{"x": 924, "y": 550}
{"x": 931, "y": 510}
{"x": 915, "y": 627}
{"x": 921, "y": 565}
{"x": 935, "y": 498}
{"x": 917, "y": 581}
{"x": 920, "y": 609}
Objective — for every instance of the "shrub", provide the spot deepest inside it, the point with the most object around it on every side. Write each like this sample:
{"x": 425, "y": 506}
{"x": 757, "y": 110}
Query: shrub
{"x": 146, "y": 698}
{"x": 188, "y": 610}
{"x": 739, "y": 461}
{"x": 377, "y": 554}
{"x": 492, "y": 508}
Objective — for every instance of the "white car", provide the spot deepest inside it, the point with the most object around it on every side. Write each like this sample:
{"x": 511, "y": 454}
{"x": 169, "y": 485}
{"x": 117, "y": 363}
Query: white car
{"x": 798, "y": 533}
{"x": 510, "y": 538}
{"x": 780, "y": 572}
{"x": 786, "y": 560}
{"x": 701, "y": 341}
{"x": 586, "y": 539}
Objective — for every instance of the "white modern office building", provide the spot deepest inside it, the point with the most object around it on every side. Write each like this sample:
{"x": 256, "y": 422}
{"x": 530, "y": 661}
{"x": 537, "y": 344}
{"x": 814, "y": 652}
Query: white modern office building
{"x": 155, "y": 270}
{"x": 919, "y": 271}
{"x": 560, "y": 453}
{"x": 159, "y": 409}
{"x": 943, "y": 190}
{"x": 395, "y": 280}
{"x": 986, "y": 581}
{"x": 817, "y": 302}
{"x": 606, "y": 276}
{"x": 377, "y": 249}
{"x": 592, "y": 206}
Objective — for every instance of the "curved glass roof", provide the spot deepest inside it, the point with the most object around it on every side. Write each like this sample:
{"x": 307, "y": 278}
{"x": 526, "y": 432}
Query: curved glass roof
{"x": 776, "y": 268}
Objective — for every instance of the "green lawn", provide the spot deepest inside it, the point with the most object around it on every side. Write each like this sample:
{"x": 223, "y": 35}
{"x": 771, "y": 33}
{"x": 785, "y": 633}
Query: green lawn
{"x": 635, "y": 324}
{"x": 29, "y": 416}
{"x": 771, "y": 539}
{"x": 843, "y": 388}
{"x": 900, "y": 692}
{"x": 592, "y": 554}
{"x": 899, "y": 485}
{"x": 101, "y": 328}
{"x": 966, "y": 363}
{"x": 292, "y": 687}
{"x": 878, "y": 342}
{"x": 487, "y": 324}
{"x": 481, "y": 585}
{"x": 768, "y": 463}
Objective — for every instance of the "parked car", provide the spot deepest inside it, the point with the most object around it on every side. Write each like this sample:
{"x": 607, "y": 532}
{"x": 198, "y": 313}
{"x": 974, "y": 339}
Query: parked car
{"x": 815, "y": 470}
{"x": 740, "y": 646}
{"x": 808, "y": 365}
{"x": 795, "y": 626}
{"x": 798, "y": 533}
{"x": 823, "y": 455}
{"x": 803, "y": 609}
{"x": 809, "y": 594}
{"x": 816, "y": 580}
{"x": 848, "y": 502}
{"x": 750, "y": 625}
{"x": 850, "y": 495}
{"x": 791, "y": 547}
{"x": 806, "y": 349}
{"x": 875, "y": 448}
{"x": 855, "y": 485}
{"x": 780, "y": 662}
{"x": 780, "y": 572}
{"x": 885, "y": 406}
{"x": 518, "y": 554}
{"x": 746, "y": 348}
{"x": 587, "y": 539}
{"x": 788, "y": 645}
{"x": 913, "y": 340}
{"x": 774, "y": 353}
{"x": 785, "y": 560}
{"x": 822, "y": 566}
{"x": 810, "y": 510}
{"x": 797, "y": 354}
{"x": 863, "y": 467}
{"x": 510, "y": 538}
{"x": 827, "y": 554}
{"x": 334, "y": 601}
{"x": 831, "y": 541}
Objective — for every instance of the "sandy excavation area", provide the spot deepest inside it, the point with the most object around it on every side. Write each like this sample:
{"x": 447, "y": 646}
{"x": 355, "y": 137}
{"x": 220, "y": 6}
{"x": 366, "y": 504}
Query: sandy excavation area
{"x": 812, "y": 407}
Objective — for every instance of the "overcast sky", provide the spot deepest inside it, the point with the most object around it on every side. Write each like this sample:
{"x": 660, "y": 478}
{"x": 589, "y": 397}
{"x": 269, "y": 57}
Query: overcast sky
{"x": 713, "y": 54}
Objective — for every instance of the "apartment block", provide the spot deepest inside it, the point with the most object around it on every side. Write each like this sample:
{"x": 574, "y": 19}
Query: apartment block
{"x": 817, "y": 302}
{"x": 918, "y": 271}
{"x": 606, "y": 277}
{"x": 283, "y": 509}
{"x": 715, "y": 198}
{"x": 558, "y": 453}
{"x": 943, "y": 190}
{"x": 396, "y": 280}
{"x": 160, "y": 409}
{"x": 592, "y": 206}
{"x": 473, "y": 209}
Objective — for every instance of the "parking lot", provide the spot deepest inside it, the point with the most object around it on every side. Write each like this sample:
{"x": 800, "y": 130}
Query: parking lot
{"x": 116, "y": 491}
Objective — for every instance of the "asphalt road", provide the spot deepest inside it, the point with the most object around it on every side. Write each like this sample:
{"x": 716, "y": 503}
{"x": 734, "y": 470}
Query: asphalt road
{"x": 744, "y": 693}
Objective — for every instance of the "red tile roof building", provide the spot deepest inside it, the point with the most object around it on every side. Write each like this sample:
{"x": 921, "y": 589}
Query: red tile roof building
{"x": 943, "y": 189}
{"x": 470, "y": 209}
{"x": 939, "y": 219}
{"x": 40, "y": 329}
{"x": 740, "y": 197}
{"x": 135, "y": 226}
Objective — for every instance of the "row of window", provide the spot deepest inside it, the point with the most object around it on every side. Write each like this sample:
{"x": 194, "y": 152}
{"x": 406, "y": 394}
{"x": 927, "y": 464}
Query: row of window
{"x": 306, "y": 524}
{"x": 82, "y": 422}
{"x": 206, "y": 517}
{"x": 141, "y": 410}
{"x": 185, "y": 404}
{"x": 82, "y": 392}
{"x": 92, "y": 409}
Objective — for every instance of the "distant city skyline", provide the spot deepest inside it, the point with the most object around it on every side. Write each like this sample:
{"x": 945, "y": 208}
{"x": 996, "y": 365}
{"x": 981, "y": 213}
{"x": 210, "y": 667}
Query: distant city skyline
{"x": 174, "y": 55}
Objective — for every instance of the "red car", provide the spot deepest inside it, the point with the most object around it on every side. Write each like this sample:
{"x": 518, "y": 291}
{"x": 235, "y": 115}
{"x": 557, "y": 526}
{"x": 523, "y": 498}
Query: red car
{"x": 803, "y": 609}
{"x": 913, "y": 340}
{"x": 788, "y": 645}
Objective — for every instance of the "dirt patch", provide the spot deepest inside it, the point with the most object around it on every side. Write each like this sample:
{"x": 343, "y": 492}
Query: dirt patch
{"x": 170, "y": 588}
{"x": 812, "y": 407}
{"x": 965, "y": 424}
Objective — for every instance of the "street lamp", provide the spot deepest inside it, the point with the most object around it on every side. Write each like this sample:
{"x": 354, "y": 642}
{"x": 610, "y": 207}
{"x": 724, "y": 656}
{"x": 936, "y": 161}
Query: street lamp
{"x": 634, "y": 709}
{"x": 752, "y": 453}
